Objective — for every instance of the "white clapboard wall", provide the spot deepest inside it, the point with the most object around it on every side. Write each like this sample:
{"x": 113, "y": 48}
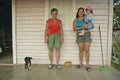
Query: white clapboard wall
{"x": 30, "y": 19}
{"x": 30, "y": 25}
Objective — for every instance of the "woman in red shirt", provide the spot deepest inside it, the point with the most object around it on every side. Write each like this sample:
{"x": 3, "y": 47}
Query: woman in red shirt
{"x": 54, "y": 37}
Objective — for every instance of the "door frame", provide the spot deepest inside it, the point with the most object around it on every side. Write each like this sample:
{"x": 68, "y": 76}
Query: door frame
{"x": 14, "y": 32}
{"x": 47, "y": 9}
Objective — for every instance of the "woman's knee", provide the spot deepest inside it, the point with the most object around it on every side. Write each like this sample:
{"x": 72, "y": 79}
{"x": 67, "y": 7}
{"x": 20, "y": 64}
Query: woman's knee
{"x": 57, "y": 50}
{"x": 81, "y": 49}
{"x": 86, "y": 51}
{"x": 50, "y": 51}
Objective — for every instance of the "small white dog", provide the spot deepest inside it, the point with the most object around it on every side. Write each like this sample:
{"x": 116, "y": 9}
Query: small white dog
{"x": 68, "y": 63}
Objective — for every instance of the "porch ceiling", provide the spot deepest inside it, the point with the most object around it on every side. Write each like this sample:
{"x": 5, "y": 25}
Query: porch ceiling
{"x": 5, "y": 6}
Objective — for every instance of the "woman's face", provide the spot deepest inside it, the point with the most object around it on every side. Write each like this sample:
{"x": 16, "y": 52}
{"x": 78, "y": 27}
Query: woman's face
{"x": 54, "y": 14}
{"x": 80, "y": 13}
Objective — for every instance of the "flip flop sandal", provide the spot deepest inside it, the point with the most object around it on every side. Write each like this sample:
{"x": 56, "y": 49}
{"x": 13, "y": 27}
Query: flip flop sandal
{"x": 77, "y": 66}
{"x": 58, "y": 67}
{"x": 50, "y": 66}
{"x": 89, "y": 69}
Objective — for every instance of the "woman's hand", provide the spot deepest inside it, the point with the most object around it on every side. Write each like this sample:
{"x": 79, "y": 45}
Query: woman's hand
{"x": 84, "y": 27}
{"x": 46, "y": 39}
{"x": 62, "y": 40}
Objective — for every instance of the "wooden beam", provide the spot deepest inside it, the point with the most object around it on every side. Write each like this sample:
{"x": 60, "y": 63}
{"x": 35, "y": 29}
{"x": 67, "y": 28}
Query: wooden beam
{"x": 14, "y": 32}
{"x": 110, "y": 31}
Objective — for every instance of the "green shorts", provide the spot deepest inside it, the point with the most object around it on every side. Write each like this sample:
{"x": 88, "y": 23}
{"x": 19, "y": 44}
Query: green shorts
{"x": 83, "y": 38}
{"x": 54, "y": 41}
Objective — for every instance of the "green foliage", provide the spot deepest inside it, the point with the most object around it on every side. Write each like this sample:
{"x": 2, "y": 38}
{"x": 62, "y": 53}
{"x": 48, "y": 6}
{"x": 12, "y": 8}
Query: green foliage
{"x": 115, "y": 58}
{"x": 116, "y": 16}
{"x": 116, "y": 66}
{"x": 115, "y": 1}
{"x": 116, "y": 55}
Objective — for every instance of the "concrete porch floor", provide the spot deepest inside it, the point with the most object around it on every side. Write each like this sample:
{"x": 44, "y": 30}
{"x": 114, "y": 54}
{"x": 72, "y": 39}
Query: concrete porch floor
{"x": 40, "y": 72}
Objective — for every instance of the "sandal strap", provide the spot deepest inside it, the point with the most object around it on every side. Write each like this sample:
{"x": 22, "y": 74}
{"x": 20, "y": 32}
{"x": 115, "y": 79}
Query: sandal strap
{"x": 50, "y": 66}
{"x": 78, "y": 66}
{"x": 58, "y": 67}
{"x": 88, "y": 68}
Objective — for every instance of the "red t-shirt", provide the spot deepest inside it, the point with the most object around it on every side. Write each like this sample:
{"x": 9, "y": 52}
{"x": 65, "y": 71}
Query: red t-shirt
{"x": 53, "y": 27}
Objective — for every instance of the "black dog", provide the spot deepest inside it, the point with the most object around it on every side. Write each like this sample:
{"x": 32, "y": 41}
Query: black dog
{"x": 28, "y": 63}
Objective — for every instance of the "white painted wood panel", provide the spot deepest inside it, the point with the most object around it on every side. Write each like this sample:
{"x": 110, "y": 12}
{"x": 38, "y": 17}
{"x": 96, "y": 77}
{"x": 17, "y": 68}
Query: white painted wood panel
{"x": 30, "y": 25}
{"x": 30, "y": 18}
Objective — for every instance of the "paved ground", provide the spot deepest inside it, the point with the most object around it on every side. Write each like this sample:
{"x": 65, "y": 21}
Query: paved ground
{"x": 40, "y": 72}
{"x": 6, "y": 58}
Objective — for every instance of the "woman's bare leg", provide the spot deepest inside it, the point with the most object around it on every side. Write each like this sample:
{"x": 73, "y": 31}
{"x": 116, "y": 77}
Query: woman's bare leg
{"x": 51, "y": 56}
{"x": 81, "y": 52}
{"x": 87, "y": 54}
{"x": 57, "y": 56}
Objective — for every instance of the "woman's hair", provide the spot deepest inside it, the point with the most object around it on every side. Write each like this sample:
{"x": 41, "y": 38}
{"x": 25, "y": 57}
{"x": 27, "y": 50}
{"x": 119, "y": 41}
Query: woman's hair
{"x": 78, "y": 11}
{"x": 54, "y": 10}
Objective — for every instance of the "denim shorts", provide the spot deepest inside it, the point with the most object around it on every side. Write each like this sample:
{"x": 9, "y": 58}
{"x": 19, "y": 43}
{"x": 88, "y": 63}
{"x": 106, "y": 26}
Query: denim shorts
{"x": 83, "y": 38}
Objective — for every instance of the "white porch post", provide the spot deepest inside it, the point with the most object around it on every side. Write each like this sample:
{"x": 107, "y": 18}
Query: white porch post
{"x": 13, "y": 32}
{"x": 110, "y": 31}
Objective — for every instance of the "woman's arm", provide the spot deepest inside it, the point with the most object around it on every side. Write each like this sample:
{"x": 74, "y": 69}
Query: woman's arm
{"x": 45, "y": 33}
{"x": 62, "y": 33}
{"x": 84, "y": 26}
{"x": 74, "y": 26}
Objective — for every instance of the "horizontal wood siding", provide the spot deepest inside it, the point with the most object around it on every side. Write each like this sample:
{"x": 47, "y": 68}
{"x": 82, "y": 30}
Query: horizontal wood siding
{"x": 30, "y": 19}
{"x": 30, "y": 25}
